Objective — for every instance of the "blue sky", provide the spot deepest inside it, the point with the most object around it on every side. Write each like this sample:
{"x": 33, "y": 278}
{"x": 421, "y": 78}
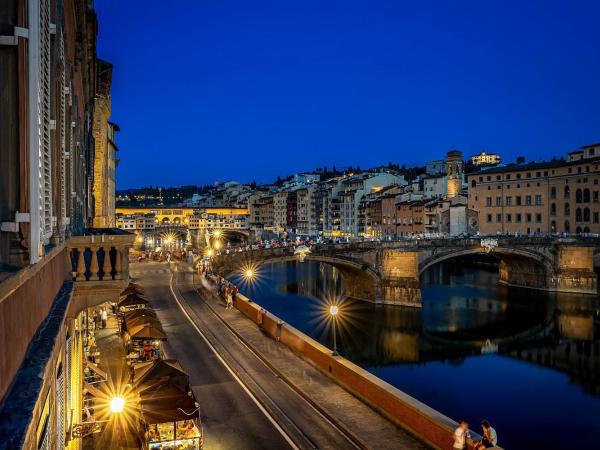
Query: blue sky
{"x": 248, "y": 90}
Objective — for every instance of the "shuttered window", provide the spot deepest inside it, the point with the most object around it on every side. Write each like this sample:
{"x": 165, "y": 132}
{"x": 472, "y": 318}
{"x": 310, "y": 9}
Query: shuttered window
{"x": 45, "y": 162}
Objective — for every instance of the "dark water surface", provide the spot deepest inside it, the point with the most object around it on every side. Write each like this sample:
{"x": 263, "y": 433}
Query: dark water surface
{"x": 527, "y": 361}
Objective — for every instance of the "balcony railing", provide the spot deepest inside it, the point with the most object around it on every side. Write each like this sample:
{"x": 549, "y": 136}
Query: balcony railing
{"x": 101, "y": 256}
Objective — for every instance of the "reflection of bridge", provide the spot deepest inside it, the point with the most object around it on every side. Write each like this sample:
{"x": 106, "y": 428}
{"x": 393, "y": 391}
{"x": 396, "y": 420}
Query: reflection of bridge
{"x": 388, "y": 272}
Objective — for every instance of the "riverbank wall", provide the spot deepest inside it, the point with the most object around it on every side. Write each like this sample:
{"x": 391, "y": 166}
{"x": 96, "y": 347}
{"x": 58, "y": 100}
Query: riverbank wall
{"x": 412, "y": 415}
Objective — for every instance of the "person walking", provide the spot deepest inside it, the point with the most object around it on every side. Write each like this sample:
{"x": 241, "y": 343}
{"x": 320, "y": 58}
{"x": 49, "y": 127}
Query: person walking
{"x": 490, "y": 437}
{"x": 104, "y": 317}
{"x": 461, "y": 434}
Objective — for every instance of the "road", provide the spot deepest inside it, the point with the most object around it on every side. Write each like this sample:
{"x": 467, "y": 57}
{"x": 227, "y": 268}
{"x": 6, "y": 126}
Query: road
{"x": 244, "y": 404}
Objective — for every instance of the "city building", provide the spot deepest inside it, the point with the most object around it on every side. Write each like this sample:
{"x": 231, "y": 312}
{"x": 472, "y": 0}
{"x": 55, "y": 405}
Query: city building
{"x": 52, "y": 88}
{"x": 540, "y": 197}
{"x": 280, "y": 211}
{"x": 454, "y": 180}
{"x": 486, "y": 159}
{"x": 436, "y": 167}
{"x": 104, "y": 185}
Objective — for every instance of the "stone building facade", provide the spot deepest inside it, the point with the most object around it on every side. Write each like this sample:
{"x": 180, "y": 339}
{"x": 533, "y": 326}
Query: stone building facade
{"x": 549, "y": 197}
{"x": 49, "y": 87}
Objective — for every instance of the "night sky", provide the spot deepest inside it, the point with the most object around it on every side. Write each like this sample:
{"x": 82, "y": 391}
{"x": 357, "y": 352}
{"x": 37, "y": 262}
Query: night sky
{"x": 212, "y": 90}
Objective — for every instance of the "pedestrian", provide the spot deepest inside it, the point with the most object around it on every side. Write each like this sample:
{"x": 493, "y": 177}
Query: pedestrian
{"x": 460, "y": 435}
{"x": 229, "y": 300}
{"x": 104, "y": 317}
{"x": 490, "y": 438}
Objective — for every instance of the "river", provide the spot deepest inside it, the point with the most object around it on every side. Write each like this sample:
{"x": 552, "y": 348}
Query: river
{"x": 527, "y": 361}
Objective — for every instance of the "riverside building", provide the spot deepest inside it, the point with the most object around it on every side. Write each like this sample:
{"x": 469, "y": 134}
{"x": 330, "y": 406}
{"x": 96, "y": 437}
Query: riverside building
{"x": 52, "y": 266}
{"x": 559, "y": 196}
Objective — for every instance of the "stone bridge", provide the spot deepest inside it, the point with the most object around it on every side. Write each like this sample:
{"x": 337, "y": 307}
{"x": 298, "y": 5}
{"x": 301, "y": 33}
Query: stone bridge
{"x": 389, "y": 272}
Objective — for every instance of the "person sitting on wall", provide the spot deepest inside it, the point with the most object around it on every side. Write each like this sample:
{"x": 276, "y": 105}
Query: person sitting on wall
{"x": 490, "y": 438}
{"x": 461, "y": 434}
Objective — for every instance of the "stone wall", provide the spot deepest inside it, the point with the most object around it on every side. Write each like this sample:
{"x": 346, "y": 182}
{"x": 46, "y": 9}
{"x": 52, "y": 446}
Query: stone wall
{"x": 417, "y": 418}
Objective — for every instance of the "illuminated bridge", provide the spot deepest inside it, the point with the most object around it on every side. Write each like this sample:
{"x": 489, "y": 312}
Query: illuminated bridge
{"x": 389, "y": 272}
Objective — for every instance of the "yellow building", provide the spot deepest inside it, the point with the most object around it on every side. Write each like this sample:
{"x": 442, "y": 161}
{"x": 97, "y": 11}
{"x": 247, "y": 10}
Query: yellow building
{"x": 105, "y": 161}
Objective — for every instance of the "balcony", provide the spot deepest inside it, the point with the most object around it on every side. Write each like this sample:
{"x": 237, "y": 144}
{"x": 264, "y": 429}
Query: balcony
{"x": 99, "y": 264}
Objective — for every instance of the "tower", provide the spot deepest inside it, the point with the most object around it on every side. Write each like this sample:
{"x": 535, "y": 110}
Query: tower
{"x": 454, "y": 163}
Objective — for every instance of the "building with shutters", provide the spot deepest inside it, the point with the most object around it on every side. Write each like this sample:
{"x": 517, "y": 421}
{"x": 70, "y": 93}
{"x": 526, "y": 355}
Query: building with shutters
{"x": 559, "y": 196}
{"x": 52, "y": 265}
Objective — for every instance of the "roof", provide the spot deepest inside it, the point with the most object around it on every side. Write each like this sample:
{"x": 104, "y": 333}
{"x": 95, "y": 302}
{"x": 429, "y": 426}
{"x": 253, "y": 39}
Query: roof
{"x": 167, "y": 404}
{"x": 590, "y": 145}
{"x": 513, "y": 167}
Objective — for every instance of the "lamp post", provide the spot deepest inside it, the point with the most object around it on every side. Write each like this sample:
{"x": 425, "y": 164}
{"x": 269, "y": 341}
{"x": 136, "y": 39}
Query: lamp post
{"x": 333, "y": 311}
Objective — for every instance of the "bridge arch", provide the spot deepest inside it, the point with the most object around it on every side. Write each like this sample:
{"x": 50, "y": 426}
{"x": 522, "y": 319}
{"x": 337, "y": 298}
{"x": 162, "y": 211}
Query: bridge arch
{"x": 525, "y": 268}
{"x": 360, "y": 280}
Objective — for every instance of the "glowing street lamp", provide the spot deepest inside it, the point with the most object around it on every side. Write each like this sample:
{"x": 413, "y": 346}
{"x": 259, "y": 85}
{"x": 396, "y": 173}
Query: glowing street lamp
{"x": 249, "y": 274}
{"x": 333, "y": 312}
{"x": 217, "y": 233}
{"x": 210, "y": 252}
{"x": 117, "y": 404}
{"x": 218, "y": 245}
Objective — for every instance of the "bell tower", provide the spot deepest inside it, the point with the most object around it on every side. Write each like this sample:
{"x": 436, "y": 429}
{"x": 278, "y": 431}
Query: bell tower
{"x": 454, "y": 163}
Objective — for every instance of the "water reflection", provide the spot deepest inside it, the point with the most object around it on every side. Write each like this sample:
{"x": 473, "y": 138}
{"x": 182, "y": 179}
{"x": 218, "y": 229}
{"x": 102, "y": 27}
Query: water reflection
{"x": 535, "y": 354}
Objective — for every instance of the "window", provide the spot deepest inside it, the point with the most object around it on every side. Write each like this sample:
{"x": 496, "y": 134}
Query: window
{"x": 567, "y": 226}
{"x": 596, "y": 218}
{"x": 528, "y": 174}
{"x": 538, "y": 174}
{"x": 595, "y": 197}
{"x": 508, "y": 176}
{"x": 498, "y": 218}
{"x": 518, "y": 200}
{"x": 553, "y": 226}
{"x": 509, "y": 201}
{"x": 553, "y": 192}
{"x": 528, "y": 217}
{"x": 473, "y": 183}
{"x": 498, "y": 177}
{"x": 488, "y": 201}
{"x": 586, "y": 214}
{"x": 567, "y": 209}
{"x": 567, "y": 192}
{"x": 538, "y": 199}
{"x": 578, "y": 196}
{"x": 578, "y": 215}
{"x": 586, "y": 196}
{"x": 509, "y": 218}
{"x": 528, "y": 199}
{"x": 518, "y": 176}
{"x": 480, "y": 179}
{"x": 489, "y": 178}
{"x": 538, "y": 217}
{"x": 553, "y": 209}
{"x": 489, "y": 217}
{"x": 498, "y": 201}
{"x": 518, "y": 217}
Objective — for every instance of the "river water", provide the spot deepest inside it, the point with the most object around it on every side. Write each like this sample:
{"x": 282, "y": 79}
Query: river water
{"x": 527, "y": 361}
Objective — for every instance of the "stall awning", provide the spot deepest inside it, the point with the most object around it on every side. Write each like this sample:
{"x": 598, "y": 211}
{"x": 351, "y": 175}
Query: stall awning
{"x": 143, "y": 320}
{"x": 147, "y": 331}
{"x": 132, "y": 288}
{"x": 160, "y": 371}
{"x": 167, "y": 404}
{"x": 139, "y": 313}
{"x": 132, "y": 299}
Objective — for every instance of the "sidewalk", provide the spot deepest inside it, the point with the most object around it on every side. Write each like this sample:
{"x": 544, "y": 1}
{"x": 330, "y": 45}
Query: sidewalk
{"x": 119, "y": 432}
{"x": 369, "y": 426}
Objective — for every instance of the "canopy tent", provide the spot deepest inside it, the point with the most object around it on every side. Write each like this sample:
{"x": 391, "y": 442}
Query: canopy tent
{"x": 143, "y": 320}
{"x": 132, "y": 300}
{"x": 149, "y": 374}
{"x": 132, "y": 287}
{"x": 147, "y": 332}
{"x": 166, "y": 403}
{"x": 142, "y": 312}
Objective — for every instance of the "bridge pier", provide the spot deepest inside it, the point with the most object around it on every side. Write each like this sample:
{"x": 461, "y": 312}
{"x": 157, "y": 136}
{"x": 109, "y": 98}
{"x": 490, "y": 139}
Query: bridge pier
{"x": 400, "y": 278}
{"x": 575, "y": 271}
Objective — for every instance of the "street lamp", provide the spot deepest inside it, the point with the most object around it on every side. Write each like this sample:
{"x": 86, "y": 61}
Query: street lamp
{"x": 333, "y": 312}
{"x": 117, "y": 404}
{"x": 249, "y": 274}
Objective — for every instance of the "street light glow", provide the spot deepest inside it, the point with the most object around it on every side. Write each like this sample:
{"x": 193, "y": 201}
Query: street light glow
{"x": 218, "y": 245}
{"x": 210, "y": 252}
{"x": 217, "y": 233}
{"x": 249, "y": 273}
{"x": 333, "y": 310}
{"x": 117, "y": 404}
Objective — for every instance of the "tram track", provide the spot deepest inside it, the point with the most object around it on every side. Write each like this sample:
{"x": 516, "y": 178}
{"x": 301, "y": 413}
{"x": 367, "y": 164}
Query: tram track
{"x": 292, "y": 431}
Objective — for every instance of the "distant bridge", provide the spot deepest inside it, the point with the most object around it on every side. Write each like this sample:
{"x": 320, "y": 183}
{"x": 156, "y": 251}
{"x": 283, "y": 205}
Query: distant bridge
{"x": 388, "y": 272}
